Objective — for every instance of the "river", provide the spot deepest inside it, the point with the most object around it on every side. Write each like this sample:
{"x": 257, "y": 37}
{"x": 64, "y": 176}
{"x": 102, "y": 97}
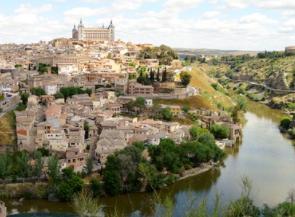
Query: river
{"x": 265, "y": 156}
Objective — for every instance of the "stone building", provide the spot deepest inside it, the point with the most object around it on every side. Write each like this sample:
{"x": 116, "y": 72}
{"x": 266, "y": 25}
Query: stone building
{"x": 95, "y": 33}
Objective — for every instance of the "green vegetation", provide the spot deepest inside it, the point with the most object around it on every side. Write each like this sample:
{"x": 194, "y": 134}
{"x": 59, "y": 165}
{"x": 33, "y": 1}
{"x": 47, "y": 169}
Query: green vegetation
{"x": 137, "y": 105}
{"x": 17, "y": 165}
{"x": 86, "y": 206}
{"x": 24, "y": 101}
{"x": 66, "y": 92}
{"x": 164, "y": 54}
{"x": 185, "y": 78}
{"x": 129, "y": 171}
{"x": 220, "y": 131}
{"x": 2, "y": 97}
{"x": 42, "y": 68}
{"x": 38, "y": 91}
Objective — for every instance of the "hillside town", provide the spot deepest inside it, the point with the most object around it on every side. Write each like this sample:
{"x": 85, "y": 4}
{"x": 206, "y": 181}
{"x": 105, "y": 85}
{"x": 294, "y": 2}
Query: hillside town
{"x": 91, "y": 95}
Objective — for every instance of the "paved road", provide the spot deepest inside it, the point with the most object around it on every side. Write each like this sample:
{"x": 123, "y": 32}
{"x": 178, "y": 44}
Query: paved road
{"x": 265, "y": 86}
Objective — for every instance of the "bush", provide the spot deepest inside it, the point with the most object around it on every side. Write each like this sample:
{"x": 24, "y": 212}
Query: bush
{"x": 285, "y": 124}
{"x": 220, "y": 131}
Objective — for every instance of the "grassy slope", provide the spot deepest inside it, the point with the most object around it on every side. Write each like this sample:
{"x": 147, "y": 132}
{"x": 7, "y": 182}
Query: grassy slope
{"x": 209, "y": 97}
{"x": 7, "y": 129}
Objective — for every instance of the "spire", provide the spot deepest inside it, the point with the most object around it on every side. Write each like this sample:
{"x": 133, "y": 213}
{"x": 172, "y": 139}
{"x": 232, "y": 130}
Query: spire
{"x": 81, "y": 22}
{"x": 111, "y": 24}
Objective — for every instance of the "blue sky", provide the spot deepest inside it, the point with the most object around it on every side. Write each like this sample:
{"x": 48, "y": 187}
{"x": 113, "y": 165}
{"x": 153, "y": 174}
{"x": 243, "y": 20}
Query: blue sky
{"x": 219, "y": 24}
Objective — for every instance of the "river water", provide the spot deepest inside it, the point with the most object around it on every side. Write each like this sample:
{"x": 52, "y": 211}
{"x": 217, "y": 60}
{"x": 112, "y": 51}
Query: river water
{"x": 265, "y": 156}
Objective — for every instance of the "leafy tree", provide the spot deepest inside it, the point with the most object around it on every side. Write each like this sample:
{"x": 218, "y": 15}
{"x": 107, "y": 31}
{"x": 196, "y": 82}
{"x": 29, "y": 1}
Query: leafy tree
{"x": 185, "y": 78}
{"x": 89, "y": 165}
{"x": 22, "y": 162}
{"x": 196, "y": 132}
{"x": 220, "y": 131}
{"x": 4, "y": 163}
{"x": 53, "y": 168}
{"x": 39, "y": 163}
{"x": 166, "y": 114}
{"x": 24, "y": 98}
{"x": 69, "y": 185}
{"x": 164, "y": 75}
{"x": 285, "y": 123}
{"x": 38, "y": 91}
{"x": 96, "y": 187}
{"x": 111, "y": 176}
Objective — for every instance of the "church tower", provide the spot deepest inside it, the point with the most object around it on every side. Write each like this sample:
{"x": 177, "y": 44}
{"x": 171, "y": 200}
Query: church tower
{"x": 75, "y": 33}
{"x": 80, "y": 30}
{"x": 112, "y": 31}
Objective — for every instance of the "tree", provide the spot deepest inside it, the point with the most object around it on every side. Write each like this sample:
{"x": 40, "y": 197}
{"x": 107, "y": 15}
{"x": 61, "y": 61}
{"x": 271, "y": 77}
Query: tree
{"x": 96, "y": 187}
{"x": 185, "y": 78}
{"x": 166, "y": 114}
{"x": 152, "y": 75}
{"x": 22, "y": 162}
{"x": 3, "y": 166}
{"x": 164, "y": 75}
{"x": 69, "y": 185}
{"x": 111, "y": 176}
{"x": 39, "y": 163}
{"x": 38, "y": 91}
{"x": 285, "y": 124}
{"x": 89, "y": 165}
{"x": 53, "y": 168}
{"x": 196, "y": 132}
{"x": 24, "y": 97}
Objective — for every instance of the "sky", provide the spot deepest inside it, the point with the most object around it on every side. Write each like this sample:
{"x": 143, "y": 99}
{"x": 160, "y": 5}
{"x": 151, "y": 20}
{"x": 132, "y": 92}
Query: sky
{"x": 215, "y": 24}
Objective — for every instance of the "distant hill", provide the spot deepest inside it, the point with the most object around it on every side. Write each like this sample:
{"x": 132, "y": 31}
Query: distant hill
{"x": 212, "y": 52}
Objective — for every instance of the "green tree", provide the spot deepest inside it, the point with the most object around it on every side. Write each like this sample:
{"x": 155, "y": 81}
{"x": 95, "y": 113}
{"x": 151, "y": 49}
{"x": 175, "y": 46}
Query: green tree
{"x": 185, "y": 78}
{"x": 285, "y": 123}
{"x": 89, "y": 165}
{"x": 53, "y": 168}
{"x": 69, "y": 185}
{"x": 96, "y": 187}
{"x": 220, "y": 131}
{"x": 111, "y": 176}
{"x": 38, "y": 91}
{"x": 166, "y": 114}
{"x": 39, "y": 163}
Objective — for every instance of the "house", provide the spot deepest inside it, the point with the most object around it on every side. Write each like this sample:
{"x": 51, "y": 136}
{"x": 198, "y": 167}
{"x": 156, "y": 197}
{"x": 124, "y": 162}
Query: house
{"x": 175, "y": 109}
{"x": 136, "y": 89}
{"x": 75, "y": 159}
{"x": 110, "y": 140}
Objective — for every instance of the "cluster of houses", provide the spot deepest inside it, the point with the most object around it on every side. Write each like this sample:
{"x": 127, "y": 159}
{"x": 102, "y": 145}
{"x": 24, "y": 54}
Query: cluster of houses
{"x": 89, "y": 125}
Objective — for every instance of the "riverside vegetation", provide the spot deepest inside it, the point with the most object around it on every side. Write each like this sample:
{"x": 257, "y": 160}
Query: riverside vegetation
{"x": 136, "y": 168}
{"x": 86, "y": 206}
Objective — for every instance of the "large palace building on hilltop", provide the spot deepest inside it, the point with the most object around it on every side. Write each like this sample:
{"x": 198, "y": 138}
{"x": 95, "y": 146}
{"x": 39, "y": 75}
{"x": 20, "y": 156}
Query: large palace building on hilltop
{"x": 95, "y": 33}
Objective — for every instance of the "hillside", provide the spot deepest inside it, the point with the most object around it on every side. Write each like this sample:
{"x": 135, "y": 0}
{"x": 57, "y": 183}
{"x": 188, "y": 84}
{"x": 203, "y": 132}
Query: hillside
{"x": 277, "y": 73}
{"x": 209, "y": 98}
